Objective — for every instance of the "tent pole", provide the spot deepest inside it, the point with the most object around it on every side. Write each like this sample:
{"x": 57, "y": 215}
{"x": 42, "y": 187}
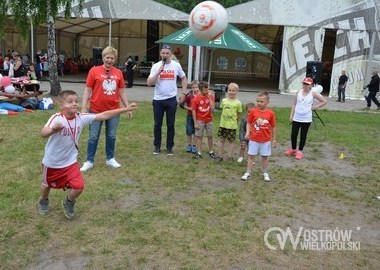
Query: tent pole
{"x": 190, "y": 64}
{"x": 197, "y": 63}
{"x": 209, "y": 65}
{"x": 110, "y": 24}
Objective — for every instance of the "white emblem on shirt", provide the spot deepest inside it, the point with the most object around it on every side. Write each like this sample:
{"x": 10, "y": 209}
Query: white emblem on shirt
{"x": 109, "y": 87}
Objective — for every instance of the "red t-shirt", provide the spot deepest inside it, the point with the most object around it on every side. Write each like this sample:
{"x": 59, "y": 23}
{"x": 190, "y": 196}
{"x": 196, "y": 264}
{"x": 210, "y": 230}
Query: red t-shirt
{"x": 106, "y": 88}
{"x": 261, "y": 123}
{"x": 201, "y": 106}
{"x": 188, "y": 101}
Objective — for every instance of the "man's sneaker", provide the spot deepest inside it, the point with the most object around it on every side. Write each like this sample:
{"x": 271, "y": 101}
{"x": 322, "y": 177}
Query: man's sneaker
{"x": 156, "y": 150}
{"x": 43, "y": 206}
{"x": 193, "y": 149}
{"x": 188, "y": 148}
{"x": 68, "y": 208}
{"x": 246, "y": 176}
{"x": 290, "y": 152}
{"x": 169, "y": 152}
{"x": 113, "y": 163}
{"x": 240, "y": 159}
{"x": 212, "y": 154}
{"x": 266, "y": 177}
{"x": 197, "y": 155}
{"x": 230, "y": 159}
{"x": 299, "y": 155}
{"x": 86, "y": 166}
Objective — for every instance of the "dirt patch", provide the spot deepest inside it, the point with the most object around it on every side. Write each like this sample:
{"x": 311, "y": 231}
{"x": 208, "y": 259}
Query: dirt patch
{"x": 320, "y": 159}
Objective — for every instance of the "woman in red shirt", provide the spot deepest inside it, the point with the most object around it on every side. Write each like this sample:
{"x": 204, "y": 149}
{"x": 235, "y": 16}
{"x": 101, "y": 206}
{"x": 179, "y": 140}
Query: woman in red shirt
{"x": 104, "y": 90}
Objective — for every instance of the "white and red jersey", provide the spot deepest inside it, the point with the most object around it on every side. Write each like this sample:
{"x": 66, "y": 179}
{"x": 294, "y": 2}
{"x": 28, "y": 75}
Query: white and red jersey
{"x": 60, "y": 149}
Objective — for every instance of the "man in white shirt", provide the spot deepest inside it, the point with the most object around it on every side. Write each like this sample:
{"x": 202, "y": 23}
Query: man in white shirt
{"x": 163, "y": 76}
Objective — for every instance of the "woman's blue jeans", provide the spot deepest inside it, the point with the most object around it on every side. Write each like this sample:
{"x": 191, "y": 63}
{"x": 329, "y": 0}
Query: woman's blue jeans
{"x": 95, "y": 128}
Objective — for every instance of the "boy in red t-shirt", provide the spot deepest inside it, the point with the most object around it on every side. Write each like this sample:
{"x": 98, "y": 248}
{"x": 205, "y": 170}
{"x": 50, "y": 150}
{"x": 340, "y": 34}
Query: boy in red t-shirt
{"x": 190, "y": 130}
{"x": 261, "y": 131}
{"x": 203, "y": 104}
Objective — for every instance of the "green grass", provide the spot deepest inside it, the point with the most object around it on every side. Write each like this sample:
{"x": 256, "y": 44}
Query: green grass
{"x": 160, "y": 212}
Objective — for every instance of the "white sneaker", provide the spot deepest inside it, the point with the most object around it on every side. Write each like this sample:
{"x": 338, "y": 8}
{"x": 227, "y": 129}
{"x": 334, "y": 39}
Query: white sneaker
{"x": 246, "y": 176}
{"x": 113, "y": 163}
{"x": 86, "y": 166}
{"x": 240, "y": 159}
{"x": 266, "y": 177}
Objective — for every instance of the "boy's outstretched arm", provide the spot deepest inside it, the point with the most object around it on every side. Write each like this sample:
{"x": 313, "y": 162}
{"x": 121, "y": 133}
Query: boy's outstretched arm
{"x": 111, "y": 113}
{"x": 48, "y": 131}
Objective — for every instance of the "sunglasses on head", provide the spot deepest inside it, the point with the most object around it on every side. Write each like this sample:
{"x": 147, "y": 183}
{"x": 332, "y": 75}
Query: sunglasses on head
{"x": 306, "y": 83}
{"x": 166, "y": 47}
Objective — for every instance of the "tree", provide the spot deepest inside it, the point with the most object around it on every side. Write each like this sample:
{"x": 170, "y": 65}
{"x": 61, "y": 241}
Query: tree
{"x": 187, "y": 6}
{"x": 40, "y": 12}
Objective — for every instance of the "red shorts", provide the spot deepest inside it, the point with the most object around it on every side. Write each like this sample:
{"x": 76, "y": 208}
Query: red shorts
{"x": 68, "y": 177}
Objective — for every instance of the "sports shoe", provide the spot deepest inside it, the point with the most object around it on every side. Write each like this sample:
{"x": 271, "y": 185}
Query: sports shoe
{"x": 219, "y": 158}
{"x": 188, "y": 148}
{"x": 193, "y": 149}
{"x": 290, "y": 152}
{"x": 246, "y": 176}
{"x": 197, "y": 155}
{"x": 169, "y": 152}
{"x": 299, "y": 155}
{"x": 68, "y": 208}
{"x": 156, "y": 150}
{"x": 266, "y": 177}
{"x": 86, "y": 166}
{"x": 240, "y": 159}
{"x": 113, "y": 163}
{"x": 230, "y": 159}
{"x": 43, "y": 206}
{"x": 212, "y": 154}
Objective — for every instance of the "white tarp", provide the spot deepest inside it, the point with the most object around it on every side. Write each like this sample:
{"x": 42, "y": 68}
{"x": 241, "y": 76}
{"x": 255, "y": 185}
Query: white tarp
{"x": 129, "y": 9}
{"x": 356, "y": 50}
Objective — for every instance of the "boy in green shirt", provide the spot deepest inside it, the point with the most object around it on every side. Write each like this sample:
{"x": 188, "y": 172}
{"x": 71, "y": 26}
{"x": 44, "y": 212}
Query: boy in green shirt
{"x": 231, "y": 113}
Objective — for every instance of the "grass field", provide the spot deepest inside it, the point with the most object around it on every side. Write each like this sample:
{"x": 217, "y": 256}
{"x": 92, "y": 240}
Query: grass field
{"x": 162, "y": 212}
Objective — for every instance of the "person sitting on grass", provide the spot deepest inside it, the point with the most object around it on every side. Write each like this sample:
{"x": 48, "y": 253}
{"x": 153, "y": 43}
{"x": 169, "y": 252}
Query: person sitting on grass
{"x": 60, "y": 168}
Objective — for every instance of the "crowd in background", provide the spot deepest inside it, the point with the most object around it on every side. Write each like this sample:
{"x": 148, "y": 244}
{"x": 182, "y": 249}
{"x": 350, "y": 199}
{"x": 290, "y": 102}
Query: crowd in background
{"x": 14, "y": 64}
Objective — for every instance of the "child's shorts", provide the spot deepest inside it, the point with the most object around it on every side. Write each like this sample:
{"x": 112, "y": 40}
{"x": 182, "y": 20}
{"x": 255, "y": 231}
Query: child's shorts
{"x": 228, "y": 134}
{"x": 63, "y": 178}
{"x": 204, "y": 126}
{"x": 264, "y": 149}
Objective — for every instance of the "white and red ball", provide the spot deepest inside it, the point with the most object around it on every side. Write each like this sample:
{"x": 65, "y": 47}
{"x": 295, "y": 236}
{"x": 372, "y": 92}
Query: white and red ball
{"x": 208, "y": 20}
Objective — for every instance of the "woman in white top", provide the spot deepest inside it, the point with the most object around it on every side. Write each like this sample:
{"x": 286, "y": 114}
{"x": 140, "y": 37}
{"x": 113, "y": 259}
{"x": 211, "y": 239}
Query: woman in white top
{"x": 301, "y": 115}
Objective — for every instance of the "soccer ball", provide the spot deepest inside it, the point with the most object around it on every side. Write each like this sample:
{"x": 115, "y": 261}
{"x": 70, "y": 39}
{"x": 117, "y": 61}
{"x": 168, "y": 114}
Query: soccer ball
{"x": 208, "y": 20}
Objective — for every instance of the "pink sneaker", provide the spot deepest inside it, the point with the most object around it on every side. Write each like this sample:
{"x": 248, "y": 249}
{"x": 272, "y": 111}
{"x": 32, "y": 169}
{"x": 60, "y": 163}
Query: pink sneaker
{"x": 290, "y": 152}
{"x": 299, "y": 155}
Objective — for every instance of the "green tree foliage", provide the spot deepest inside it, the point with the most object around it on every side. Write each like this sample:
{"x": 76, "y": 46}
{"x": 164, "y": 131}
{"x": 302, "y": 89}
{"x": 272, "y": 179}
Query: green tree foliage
{"x": 40, "y": 12}
{"x": 187, "y": 6}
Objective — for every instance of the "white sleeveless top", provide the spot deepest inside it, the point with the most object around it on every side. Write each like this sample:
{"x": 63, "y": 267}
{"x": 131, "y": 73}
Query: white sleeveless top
{"x": 302, "y": 111}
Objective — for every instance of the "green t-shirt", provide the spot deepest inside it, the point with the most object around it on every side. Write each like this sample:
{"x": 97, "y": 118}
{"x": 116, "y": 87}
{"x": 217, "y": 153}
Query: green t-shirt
{"x": 230, "y": 110}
